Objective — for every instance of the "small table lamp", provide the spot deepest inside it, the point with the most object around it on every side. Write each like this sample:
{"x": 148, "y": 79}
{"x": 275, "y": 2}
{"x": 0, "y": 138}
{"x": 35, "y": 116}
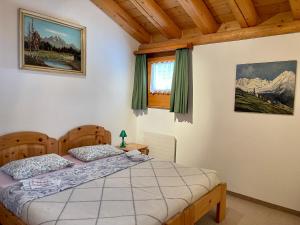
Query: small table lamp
{"x": 123, "y": 135}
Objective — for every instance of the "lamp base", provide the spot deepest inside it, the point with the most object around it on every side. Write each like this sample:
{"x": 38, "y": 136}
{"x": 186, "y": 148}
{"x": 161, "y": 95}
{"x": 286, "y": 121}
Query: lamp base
{"x": 123, "y": 144}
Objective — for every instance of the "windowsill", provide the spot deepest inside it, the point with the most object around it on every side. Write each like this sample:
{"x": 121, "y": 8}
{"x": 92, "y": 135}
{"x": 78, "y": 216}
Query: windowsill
{"x": 159, "y": 93}
{"x": 159, "y": 107}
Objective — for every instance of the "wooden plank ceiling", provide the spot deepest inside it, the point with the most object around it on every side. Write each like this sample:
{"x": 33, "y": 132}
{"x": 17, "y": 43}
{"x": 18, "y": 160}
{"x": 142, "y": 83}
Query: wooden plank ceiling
{"x": 166, "y": 24}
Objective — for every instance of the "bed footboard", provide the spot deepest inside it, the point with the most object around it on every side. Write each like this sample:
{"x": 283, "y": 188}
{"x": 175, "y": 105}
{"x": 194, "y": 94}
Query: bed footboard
{"x": 8, "y": 218}
{"x": 215, "y": 198}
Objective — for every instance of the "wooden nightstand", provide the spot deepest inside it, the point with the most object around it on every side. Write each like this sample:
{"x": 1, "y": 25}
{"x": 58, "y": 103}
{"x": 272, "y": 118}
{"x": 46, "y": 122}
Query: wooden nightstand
{"x": 133, "y": 146}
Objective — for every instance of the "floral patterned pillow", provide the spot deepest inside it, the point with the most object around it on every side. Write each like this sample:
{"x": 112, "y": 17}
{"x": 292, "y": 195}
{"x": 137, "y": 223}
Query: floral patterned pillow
{"x": 33, "y": 166}
{"x": 94, "y": 152}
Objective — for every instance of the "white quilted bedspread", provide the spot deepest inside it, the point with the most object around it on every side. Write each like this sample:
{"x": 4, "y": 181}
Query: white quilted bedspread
{"x": 147, "y": 194}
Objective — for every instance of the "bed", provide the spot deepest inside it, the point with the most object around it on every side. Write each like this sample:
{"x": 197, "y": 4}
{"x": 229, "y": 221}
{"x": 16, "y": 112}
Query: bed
{"x": 149, "y": 193}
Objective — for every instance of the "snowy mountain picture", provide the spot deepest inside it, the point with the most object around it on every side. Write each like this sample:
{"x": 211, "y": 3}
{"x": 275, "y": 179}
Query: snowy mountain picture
{"x": 50, "y": 44}
{"x": 266, "y": 87}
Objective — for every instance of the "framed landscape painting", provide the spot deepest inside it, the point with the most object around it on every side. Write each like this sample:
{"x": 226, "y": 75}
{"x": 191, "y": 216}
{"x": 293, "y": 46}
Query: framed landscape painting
{"x": 50, "y": 44}
{"x": 266, "y": 87}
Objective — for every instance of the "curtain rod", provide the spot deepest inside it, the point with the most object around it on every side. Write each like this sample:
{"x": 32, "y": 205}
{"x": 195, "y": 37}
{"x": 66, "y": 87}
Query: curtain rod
{"x": 163, "y": 49}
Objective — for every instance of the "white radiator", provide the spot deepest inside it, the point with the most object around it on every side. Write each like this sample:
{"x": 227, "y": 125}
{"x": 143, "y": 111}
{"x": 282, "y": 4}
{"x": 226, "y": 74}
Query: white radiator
{"x": 161, "y": 146}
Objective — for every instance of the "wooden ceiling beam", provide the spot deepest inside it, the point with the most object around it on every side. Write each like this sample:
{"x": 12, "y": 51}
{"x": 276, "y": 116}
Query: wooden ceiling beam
{"x": 295, "y": 6}
{"x": 167, "y": 48}
{"x": 241, "y": 34}
{"x": 120, "y": 16}
{"x": 201, "y": 15}
{"x": 244, "y": 11}
{"x": 154, "y": 13}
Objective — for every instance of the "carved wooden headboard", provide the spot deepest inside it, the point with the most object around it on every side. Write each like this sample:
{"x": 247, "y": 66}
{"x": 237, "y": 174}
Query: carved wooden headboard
{"x": 83, "y": 136}
{"x": 21, "y": 145}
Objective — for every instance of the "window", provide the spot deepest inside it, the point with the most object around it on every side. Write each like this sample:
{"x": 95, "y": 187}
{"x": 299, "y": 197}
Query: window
{"x": 160, "y": 75}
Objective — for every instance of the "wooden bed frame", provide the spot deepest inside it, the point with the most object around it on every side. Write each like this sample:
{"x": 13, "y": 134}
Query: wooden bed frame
{"x": 27, "y": 144}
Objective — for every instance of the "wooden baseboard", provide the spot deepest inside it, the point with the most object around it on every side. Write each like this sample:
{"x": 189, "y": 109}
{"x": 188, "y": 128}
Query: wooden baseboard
{"x": 267, "y": 204}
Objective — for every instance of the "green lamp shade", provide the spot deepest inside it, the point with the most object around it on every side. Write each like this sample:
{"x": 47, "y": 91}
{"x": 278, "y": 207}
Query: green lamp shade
{"x": 123, "y": 134}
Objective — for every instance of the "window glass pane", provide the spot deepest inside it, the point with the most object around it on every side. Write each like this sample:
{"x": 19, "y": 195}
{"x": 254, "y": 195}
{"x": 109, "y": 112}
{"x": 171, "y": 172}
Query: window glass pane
{"x": 161, "y": 77}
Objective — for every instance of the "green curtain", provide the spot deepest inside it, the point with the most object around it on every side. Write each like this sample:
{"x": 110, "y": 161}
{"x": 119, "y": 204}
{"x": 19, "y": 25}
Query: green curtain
{"x": 139, "y": 95}
{"x": 180, "y": 83}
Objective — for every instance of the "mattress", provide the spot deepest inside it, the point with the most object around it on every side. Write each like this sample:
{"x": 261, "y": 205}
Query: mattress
{"x": 149, "y": 193}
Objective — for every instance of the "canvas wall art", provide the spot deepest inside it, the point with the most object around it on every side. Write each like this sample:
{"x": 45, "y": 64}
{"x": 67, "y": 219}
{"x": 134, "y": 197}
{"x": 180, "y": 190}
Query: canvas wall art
{"x": 50, "y": 44}
{"x": 266, "y": 87}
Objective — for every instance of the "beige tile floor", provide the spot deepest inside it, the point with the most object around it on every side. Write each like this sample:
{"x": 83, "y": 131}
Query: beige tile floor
{"x": 242, "y": 212}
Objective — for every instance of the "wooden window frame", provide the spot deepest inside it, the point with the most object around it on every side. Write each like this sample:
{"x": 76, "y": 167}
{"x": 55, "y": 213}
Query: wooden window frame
{"x": 158, "y": 100}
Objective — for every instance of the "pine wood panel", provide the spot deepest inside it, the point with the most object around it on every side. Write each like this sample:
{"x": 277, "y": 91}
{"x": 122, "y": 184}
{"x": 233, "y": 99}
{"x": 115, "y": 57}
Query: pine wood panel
{"x": 8, "y": 218}
{"x": 157, "y": 16}
{"x": 83, "y": 136}
{"x": 242, "y": 34}
{"x": 133, "y": 146}
{"x": 268, "y": 8}
{"x": 177, "y": 13}
{"x": 231, "y": 26}
{"x": 22, "y": 145}
{"x": 295, "y": 6}
{"x": 220, "y": 10}
{"x": 137, "y": 15}
{"x": 164, "y": 49}
{"x": 201, "y": 15}
{"x": 112, "y": 9}
{"x": 244, "y": 12}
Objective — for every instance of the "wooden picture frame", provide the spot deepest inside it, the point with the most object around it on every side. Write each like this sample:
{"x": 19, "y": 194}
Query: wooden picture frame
{"x": 50, "y": 44}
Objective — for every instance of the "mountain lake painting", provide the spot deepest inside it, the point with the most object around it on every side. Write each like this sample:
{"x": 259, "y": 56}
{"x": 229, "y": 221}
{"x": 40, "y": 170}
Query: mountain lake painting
{"x": 266, "y": 87}
{"x": 50, "y": 44}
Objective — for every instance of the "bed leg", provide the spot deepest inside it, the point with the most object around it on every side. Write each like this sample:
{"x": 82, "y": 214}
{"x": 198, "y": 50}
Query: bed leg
{"x": 221, "y": 206}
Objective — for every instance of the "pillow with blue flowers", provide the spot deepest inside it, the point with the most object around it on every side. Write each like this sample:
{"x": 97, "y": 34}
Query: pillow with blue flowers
{"x": 94, "y": 152}
{"x": 34, "y": 166}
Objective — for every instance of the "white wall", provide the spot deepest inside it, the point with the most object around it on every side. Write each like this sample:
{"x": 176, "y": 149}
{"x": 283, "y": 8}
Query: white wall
{"x": 256, "y": 154}
{"x": 54, "y": 103}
